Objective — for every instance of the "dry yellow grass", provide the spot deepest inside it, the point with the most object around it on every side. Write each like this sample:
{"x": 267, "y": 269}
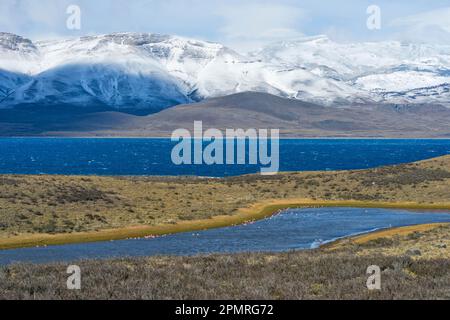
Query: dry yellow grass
{"x": 255, "y": 212}
{"x": 388, "y": 233}
{"x": 425, "y": 242}
{"x": 38, "y": 210}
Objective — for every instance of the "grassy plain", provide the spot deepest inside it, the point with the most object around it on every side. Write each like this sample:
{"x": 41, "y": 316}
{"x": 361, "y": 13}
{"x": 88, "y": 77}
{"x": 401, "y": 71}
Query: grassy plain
{"x": 38, "y": 210}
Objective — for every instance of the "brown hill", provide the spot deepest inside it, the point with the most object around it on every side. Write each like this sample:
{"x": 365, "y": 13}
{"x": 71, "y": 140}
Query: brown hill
{"x": 257, "y": 110}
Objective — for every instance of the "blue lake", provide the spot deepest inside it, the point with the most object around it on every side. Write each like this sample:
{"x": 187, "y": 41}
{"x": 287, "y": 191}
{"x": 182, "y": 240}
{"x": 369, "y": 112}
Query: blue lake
{"x": 293, "y": 229}
{"x": 153, "y": 156}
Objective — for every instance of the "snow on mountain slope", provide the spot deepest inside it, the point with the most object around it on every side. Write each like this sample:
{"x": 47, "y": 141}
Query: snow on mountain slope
{"x": 102, "y": 84}
{"x": 437, "y": 94}
{"x": 18, "y": 58}
{"x": 18, "y": 54}
{"x": 130, "y": 71}
{"x": 9, "y": 82}
{"x": 151, "y": 72}
{"x": 373, "y": 71}
{"x": 401, "y": 80}
{"x": 352, "y": 59}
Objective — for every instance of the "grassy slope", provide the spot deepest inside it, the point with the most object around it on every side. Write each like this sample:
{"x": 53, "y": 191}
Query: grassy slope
{"x": 319, "y": 274}
{"x": 58, "y": 209}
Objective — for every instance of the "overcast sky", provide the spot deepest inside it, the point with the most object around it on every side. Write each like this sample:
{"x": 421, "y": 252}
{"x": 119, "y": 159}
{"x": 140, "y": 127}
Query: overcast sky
{"x": 238, "y": 23}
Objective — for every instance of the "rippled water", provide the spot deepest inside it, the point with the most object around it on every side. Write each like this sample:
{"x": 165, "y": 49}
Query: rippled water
{"x": 153, "y": 156}
{"x": 290, "y": 230}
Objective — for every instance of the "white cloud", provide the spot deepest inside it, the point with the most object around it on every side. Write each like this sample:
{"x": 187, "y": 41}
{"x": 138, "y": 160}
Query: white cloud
{"x": 431, "y": 26}
{"x": 250, "y": 24}
{"x": 241, "y": 24}
{"x": 439, "y": 18}
{"x": 31, "y": 17}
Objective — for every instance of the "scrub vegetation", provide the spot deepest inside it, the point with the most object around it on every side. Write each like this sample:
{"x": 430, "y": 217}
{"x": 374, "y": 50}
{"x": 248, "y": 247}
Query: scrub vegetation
{"x": 88, "y": 208}
{"x": 415, "y": 264}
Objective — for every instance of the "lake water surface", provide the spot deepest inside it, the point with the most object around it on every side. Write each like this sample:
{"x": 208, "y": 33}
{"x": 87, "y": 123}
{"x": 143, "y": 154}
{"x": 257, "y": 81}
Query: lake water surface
{"x": 291, "y": 230}
{"x": 153, "y": 156}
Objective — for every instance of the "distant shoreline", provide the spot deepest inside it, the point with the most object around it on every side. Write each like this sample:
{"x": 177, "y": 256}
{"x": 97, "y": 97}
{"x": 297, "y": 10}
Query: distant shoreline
{"x": 168, "y": 137}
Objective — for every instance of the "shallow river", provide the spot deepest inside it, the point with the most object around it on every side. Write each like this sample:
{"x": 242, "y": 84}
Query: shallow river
{"x": 291, "y": 230}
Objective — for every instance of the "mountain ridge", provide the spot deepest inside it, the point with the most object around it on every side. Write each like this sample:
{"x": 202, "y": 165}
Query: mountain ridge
{"x": 145, "y": 73}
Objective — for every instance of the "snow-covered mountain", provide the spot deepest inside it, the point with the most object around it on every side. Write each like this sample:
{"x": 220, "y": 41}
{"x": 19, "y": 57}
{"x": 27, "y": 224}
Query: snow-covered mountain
{"x": 150, "y": 72}
{"x": 389, "y": 72}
